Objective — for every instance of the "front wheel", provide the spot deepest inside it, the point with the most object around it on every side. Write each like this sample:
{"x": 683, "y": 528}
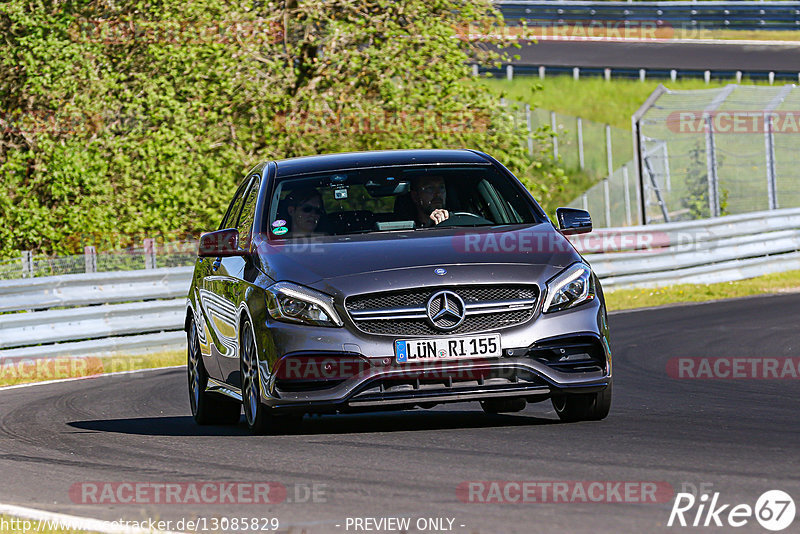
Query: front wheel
{"x": 207, "y": 408}
{"x": 255, "y": 413}
{"x": 583, "y": 406}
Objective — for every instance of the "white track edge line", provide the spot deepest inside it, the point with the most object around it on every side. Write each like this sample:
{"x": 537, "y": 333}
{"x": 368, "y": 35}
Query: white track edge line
{"x": 74, "y": 522}
{"x": 90, "y": 377}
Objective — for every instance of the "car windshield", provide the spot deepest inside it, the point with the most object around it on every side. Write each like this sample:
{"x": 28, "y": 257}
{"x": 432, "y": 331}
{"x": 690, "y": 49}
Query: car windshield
{"x": 396, "y": 198}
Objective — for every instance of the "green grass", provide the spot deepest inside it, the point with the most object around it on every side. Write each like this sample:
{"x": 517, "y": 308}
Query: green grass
{"x": 27, "y": 371}
{"x": 624, "y": 299}
{"x": 593, "y": 98}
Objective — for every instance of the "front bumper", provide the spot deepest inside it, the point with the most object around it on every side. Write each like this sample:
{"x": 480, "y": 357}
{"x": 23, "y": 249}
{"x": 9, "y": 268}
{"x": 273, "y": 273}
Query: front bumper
{"x": 578, "y": 363}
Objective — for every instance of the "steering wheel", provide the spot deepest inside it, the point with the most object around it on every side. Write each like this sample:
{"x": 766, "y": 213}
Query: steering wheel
{"x": 464, "y": 218}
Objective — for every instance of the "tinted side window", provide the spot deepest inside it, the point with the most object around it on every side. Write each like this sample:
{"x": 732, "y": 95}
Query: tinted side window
{"x": 245, "y": 223}
{"x": 232, "y": 215}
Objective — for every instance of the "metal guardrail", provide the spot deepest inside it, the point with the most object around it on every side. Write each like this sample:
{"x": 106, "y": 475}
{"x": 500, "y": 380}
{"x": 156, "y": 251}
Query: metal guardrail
{"x": 80, "y": 314}
{"x": 96, "y": 288}
{"x": 695, "y": 252}
{"x": 740, "y": 15}
{"x": 140, "y": 311}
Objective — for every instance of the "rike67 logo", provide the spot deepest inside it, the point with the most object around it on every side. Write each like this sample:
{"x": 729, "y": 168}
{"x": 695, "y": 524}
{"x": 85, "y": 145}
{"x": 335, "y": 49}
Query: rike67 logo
{"x": 774, "y": 510}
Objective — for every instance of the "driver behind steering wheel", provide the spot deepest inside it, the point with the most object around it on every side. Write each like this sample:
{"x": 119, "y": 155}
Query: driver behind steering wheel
{"x": 429, "y": 195}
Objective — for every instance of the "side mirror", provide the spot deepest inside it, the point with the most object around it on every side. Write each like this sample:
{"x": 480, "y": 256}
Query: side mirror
{"x": 222, "y": 243}
{"x": 573, "y": 221}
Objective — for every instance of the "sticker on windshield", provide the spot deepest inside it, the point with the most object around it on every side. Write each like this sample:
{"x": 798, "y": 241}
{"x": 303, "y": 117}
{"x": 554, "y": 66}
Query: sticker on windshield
{"x": 279, "y": 222}
{"x": 280, "y": 231}
{"x": 340, "y": 194}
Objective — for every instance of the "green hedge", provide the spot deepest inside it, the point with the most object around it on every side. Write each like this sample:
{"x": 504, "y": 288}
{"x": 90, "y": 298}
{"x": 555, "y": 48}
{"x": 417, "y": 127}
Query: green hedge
{"x": 122, "y": 122}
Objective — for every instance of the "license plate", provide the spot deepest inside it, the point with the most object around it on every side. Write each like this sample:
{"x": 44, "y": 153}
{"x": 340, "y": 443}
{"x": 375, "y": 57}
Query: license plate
{"x": 447, "y": 348}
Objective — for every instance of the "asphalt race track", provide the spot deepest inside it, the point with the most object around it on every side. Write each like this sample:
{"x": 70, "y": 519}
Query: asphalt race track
{"x": 741, "y": 436}
{"x": 651, "y": 55}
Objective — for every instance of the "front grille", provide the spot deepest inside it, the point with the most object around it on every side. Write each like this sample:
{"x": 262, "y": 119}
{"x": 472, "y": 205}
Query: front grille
{"x": 404, "y": 313}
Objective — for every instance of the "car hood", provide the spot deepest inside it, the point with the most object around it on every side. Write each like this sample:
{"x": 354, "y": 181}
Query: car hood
{"x": 344, "y": 261}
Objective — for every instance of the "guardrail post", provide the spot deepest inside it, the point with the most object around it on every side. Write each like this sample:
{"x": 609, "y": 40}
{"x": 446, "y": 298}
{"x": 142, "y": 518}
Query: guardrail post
{"x": 554, "y": 127}
{"x": 673, "y": 75}
{"x": 576, "y": 73}
{"x": 581, "y": 161}
{"x": 541, "y": 72}
{"x": 150, "y": 253}
{"x": 475, "y": 70}
{"x": 509, "y": 72}
{"x": 27, "y": 264}
{"x": 607, "y": 74}
{"x": 642, "y": 75}
{"x": 90, "y": 259}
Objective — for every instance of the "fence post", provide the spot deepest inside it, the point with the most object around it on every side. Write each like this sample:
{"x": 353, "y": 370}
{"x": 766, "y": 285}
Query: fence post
{"x": 609, "y": 155}
{"x": 627, "y": 187}
{"x": 27, "y": 264}
{"x": 554, "y": 126}
{"x": 711, "y": 169}
{"x": 150, "y": 253}
{"x": 530, "y": 128}
{"x": 585, "y": 198}
{"x": 581, "y": 161}
{"x": 607, "y": 201}
{"x": 769, "y": 141}
{"x": 90, "y": 259}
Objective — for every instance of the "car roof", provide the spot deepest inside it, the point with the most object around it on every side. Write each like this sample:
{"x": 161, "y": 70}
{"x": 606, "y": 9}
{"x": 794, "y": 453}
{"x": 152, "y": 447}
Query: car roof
{"x": 377, "y": 158}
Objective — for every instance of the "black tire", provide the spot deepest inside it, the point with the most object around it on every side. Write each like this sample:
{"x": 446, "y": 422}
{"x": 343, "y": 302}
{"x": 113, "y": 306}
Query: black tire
{"x": 583, "y": 406}
{"x": 207, "y": 408}
{"x": 495, "y": 406}
{"x": 257, "y": 416}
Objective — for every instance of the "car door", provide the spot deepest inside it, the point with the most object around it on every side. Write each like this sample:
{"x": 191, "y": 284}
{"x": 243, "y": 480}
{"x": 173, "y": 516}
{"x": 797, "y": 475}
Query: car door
{"x": 232, "y": 283}
{"x": 219, "y": 315}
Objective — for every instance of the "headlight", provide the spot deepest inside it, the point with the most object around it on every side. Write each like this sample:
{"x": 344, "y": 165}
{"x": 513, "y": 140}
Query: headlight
{"x": 571, "y": 287}
{"x": 297, "y": 304}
